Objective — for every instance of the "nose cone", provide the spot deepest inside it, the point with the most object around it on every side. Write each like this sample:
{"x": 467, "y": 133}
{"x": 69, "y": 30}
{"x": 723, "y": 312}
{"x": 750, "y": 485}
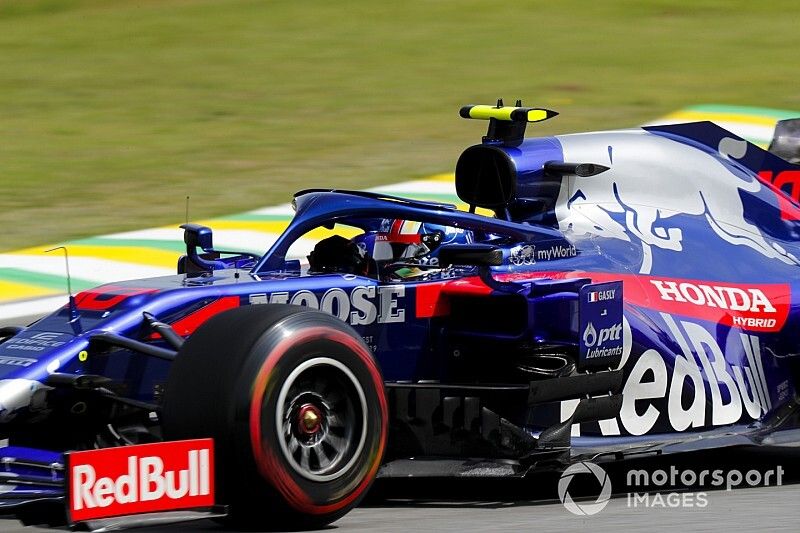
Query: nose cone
{"x": 25, "y": 362}
{"x": 17, "y": 395}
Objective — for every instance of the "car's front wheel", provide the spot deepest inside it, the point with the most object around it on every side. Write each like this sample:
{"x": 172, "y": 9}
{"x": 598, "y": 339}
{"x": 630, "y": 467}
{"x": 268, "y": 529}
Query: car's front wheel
{"x": 295, "y": 403}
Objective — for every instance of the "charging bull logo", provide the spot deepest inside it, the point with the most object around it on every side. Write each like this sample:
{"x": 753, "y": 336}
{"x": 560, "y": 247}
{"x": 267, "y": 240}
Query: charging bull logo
{"x": 653, "y": 179}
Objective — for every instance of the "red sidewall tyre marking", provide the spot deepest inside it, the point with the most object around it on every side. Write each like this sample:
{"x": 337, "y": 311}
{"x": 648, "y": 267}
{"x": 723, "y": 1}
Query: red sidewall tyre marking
{"x": 267, "y": 459}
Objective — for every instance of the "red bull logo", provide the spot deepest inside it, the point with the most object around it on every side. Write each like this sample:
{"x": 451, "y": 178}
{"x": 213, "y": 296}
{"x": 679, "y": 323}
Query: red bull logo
{"x": 144, "y": 478}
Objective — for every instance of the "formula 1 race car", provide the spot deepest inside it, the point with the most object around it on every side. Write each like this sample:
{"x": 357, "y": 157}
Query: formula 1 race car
{"x": 606, "y": 294}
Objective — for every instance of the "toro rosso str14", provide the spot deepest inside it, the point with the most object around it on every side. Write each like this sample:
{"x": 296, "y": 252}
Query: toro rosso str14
{"x": 606, "y": 293}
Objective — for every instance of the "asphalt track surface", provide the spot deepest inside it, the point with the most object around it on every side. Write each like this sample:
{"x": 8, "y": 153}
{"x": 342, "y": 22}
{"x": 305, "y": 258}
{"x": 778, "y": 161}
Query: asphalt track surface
{"x": 532, "y": 504}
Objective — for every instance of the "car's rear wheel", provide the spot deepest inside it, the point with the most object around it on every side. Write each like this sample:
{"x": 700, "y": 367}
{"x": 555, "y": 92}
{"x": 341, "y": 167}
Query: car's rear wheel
{"x": 295, "y": 403}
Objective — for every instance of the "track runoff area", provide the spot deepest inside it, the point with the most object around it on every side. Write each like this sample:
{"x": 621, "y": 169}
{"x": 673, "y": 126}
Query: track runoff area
{"x": 691, "y": 491}
{"x": 33, "y": 282}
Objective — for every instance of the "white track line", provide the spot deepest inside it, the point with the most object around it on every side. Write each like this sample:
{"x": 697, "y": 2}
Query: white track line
{"x": 25, "y": 308}
{"x": 88, "y": 268}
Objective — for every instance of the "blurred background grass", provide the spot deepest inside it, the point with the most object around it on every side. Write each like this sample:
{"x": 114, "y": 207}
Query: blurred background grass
{"x": 112, "y": 111}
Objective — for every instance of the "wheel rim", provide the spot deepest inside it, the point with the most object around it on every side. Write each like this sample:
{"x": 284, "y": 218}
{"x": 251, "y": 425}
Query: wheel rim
{"x": 321, "y": 417}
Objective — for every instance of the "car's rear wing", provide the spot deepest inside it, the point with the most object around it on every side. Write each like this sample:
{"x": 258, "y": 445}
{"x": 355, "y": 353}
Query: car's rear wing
{"x": 786, "y": 140}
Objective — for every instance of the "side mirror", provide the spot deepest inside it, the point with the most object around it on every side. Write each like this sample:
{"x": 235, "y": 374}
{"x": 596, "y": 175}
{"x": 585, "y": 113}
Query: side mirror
{"x": 196, "y": 235}
{"x": 481, "y": 255}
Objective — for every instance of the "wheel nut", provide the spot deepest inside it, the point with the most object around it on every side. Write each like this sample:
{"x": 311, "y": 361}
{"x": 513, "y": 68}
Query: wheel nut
{"x": 310, "y": 419}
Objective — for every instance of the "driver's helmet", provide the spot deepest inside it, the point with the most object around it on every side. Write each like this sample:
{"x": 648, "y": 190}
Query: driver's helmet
{"x": 410, "y": 241}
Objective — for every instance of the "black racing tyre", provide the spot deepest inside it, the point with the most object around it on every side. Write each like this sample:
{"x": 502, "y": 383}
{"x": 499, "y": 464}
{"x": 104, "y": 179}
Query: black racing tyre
{"x": 295, "y": 403}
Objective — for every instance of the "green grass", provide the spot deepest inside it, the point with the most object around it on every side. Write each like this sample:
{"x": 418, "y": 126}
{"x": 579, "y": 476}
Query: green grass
{"x": 111, "y": 112}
